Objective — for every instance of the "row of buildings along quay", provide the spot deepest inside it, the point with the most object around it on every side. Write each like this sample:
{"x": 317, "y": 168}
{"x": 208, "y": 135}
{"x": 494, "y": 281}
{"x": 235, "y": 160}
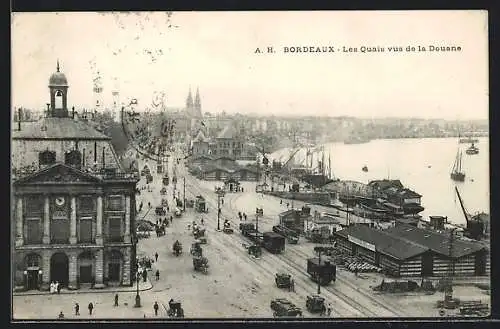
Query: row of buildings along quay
{"x": 227, "y": 216}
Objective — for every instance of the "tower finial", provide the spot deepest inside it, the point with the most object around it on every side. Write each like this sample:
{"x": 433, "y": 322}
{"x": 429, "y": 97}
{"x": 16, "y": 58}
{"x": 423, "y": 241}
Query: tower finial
{"x": 58, "y": 65}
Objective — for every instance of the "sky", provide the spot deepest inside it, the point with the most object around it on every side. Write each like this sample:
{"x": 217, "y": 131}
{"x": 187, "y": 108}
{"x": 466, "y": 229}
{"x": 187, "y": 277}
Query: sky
{"x": 143, "y": 53}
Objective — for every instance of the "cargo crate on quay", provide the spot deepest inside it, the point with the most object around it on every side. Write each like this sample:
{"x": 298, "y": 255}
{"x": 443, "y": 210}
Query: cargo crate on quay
{"x": 407, "y": 251}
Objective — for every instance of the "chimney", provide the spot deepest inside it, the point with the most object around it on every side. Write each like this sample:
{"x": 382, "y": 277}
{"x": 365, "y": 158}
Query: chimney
{"x": 19, "y": 119}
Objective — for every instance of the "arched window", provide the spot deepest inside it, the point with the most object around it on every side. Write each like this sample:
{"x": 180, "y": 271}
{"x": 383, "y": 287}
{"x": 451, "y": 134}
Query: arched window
{"x": 46, "y": 158}
{"x": 59, "y": 99}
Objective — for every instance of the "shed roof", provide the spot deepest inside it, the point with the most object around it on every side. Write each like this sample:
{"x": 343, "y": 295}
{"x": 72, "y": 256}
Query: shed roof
{"x": 384, "y": 242}
{"x": 437, "y": 242}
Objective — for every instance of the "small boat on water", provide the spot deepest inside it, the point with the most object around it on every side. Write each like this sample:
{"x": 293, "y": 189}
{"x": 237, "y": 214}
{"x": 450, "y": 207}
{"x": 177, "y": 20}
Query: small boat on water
{"x": 468, "y": 140}
{"x": 365, "y": 168}
{"x": 456, "y": 173}
{"x": 473, "y": 149}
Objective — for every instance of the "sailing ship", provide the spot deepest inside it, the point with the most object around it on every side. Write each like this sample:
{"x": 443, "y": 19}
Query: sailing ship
{"x": 473, "y": 149}
{"x": 322, "y": 175}
{"x": 456, "y": 173}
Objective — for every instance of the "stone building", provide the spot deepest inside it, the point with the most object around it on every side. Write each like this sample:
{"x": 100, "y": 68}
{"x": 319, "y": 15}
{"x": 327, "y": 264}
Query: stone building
{"x": 73, "y": 203}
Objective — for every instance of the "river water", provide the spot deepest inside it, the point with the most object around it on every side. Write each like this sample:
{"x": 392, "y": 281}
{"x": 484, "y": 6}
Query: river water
{"x": 422, "y": 165}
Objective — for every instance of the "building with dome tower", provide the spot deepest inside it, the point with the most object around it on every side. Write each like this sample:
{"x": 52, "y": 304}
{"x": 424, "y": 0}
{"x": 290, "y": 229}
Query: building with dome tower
{"x": 73, "y": 202}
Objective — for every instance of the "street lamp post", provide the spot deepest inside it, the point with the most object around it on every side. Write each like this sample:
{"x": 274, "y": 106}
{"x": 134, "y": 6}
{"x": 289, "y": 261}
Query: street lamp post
{"x": 219, "y": 196}
{"x": 184, "y": 196}
{"x": 137, "y": 297}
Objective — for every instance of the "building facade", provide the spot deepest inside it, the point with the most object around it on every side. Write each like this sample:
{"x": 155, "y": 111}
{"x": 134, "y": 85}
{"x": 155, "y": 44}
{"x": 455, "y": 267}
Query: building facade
{"x": 74, "y": 204}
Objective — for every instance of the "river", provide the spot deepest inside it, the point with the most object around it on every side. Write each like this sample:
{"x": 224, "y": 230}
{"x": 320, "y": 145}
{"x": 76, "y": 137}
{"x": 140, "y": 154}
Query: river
{"x": 422, "y": 165}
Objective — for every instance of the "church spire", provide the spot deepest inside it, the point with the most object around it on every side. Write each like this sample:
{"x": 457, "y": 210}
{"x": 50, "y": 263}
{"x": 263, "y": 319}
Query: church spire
{"x": 189, "y": 100}
{"x": 197, "y": 103}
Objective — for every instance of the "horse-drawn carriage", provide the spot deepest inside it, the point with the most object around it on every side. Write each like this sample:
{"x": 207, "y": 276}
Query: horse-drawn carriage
{"x": 284, "y": 308}
{"x": 160, "y": 230}
{"x": 315, "y": 304}
{"x": 174, "y": 309}
{"x": 200, "y": 264}
{"x": 159, "y": 211}
{"x": 196, "y": 249}
{"x": 200, "y": 204}
{"x": 253, "y": 250}
{"x": 283, "y": 280}
{"x": 177, "y": 248}
{"x": 198, "y": 233}
{"x": 227, "y": 227}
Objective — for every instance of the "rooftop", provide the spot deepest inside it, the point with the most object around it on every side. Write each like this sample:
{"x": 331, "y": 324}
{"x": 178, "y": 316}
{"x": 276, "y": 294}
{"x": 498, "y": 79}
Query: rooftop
{"x": 228, "y": 133}
{"x": 437, "y": 242}
{"x": 384, "y": 242}
{"x": 58, "y": 128}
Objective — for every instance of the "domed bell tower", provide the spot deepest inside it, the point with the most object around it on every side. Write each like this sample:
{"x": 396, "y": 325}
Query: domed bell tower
{"x": 58, "y": 85}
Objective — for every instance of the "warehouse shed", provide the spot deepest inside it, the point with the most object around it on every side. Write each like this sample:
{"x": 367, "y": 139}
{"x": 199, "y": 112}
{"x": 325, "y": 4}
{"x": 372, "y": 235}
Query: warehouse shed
{"x": 406, "y": 251}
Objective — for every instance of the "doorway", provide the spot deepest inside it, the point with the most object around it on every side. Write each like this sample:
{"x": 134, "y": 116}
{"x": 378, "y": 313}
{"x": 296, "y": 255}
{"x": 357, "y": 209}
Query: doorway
{"x": 427, "y": 265}
{"x": 85, "y": 273}
{"x": 32, "y": 280}
{"x": 480, "y": 263}
{"x": 59, "y": 266}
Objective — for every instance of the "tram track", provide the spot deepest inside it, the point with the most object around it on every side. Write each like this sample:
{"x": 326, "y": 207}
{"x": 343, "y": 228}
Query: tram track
{"x": 393, "y": 309}
{"x": 301, "y": 277}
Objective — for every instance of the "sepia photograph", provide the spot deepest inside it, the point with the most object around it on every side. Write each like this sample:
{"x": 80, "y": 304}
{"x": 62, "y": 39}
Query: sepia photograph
{"x": 188, "y": 165}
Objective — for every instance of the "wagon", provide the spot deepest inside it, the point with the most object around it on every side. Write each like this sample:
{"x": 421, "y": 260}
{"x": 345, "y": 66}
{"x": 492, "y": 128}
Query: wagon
{"x": 283, "y": 280}
{"x": 200, "y": 264}
{"x": 315, "y": 304}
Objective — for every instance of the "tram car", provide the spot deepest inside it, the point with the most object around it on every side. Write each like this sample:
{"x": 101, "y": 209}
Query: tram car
{"x": 273, "y": 242}
{"x": 322, "y": 271}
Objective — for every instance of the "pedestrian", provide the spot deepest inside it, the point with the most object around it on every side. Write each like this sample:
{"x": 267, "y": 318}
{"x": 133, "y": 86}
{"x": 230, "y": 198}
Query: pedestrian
{"x": 77, "y": 309}
{"x": 242, "y": 189}
{"x": 202, "y": 222}
{"x": 91, "y": 307}
{"x": 156, "y": 257}
{"x": 329, "y": 309}
{"x": 323, "y": 310}
{"x": 52, "y": 287}
{"x": 116, "y": 299}
{"x": 149, "y": 204}
{"x": 155, "y": 307}
{"x": 144, "y": 275}
{"x": 61, "y": 315}
{"x": 293, "y": 285}
{"x": 281, "y": 201}
{"x": 157, "y": 275}
{"x": 58, "y": 287}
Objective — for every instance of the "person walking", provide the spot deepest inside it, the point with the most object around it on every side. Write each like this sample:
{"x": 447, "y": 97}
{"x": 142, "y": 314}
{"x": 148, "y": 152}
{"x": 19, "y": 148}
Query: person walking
{"x": 61, "y": 315}
{"x": 155, "y": 307}
{"x": 157, "y": 275}
{"x": 91, "y": 307}
{"x": 156, "y": 257}
{"x": 58, "y": 287}
{"x": 77, "y": 309}
{"x": 116, "y": 300}
{"x": 329, "y": 309}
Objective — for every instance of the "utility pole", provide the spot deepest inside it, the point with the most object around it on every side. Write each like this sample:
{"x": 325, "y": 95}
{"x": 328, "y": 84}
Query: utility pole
{"x": 448, "y": 292}
{"x": 184, "y": 197}
{"x": 319, "y": 250}
{"x": 219, "y": 196}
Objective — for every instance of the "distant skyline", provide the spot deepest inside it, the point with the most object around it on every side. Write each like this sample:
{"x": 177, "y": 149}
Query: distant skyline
{"x": 138, "y": 54}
